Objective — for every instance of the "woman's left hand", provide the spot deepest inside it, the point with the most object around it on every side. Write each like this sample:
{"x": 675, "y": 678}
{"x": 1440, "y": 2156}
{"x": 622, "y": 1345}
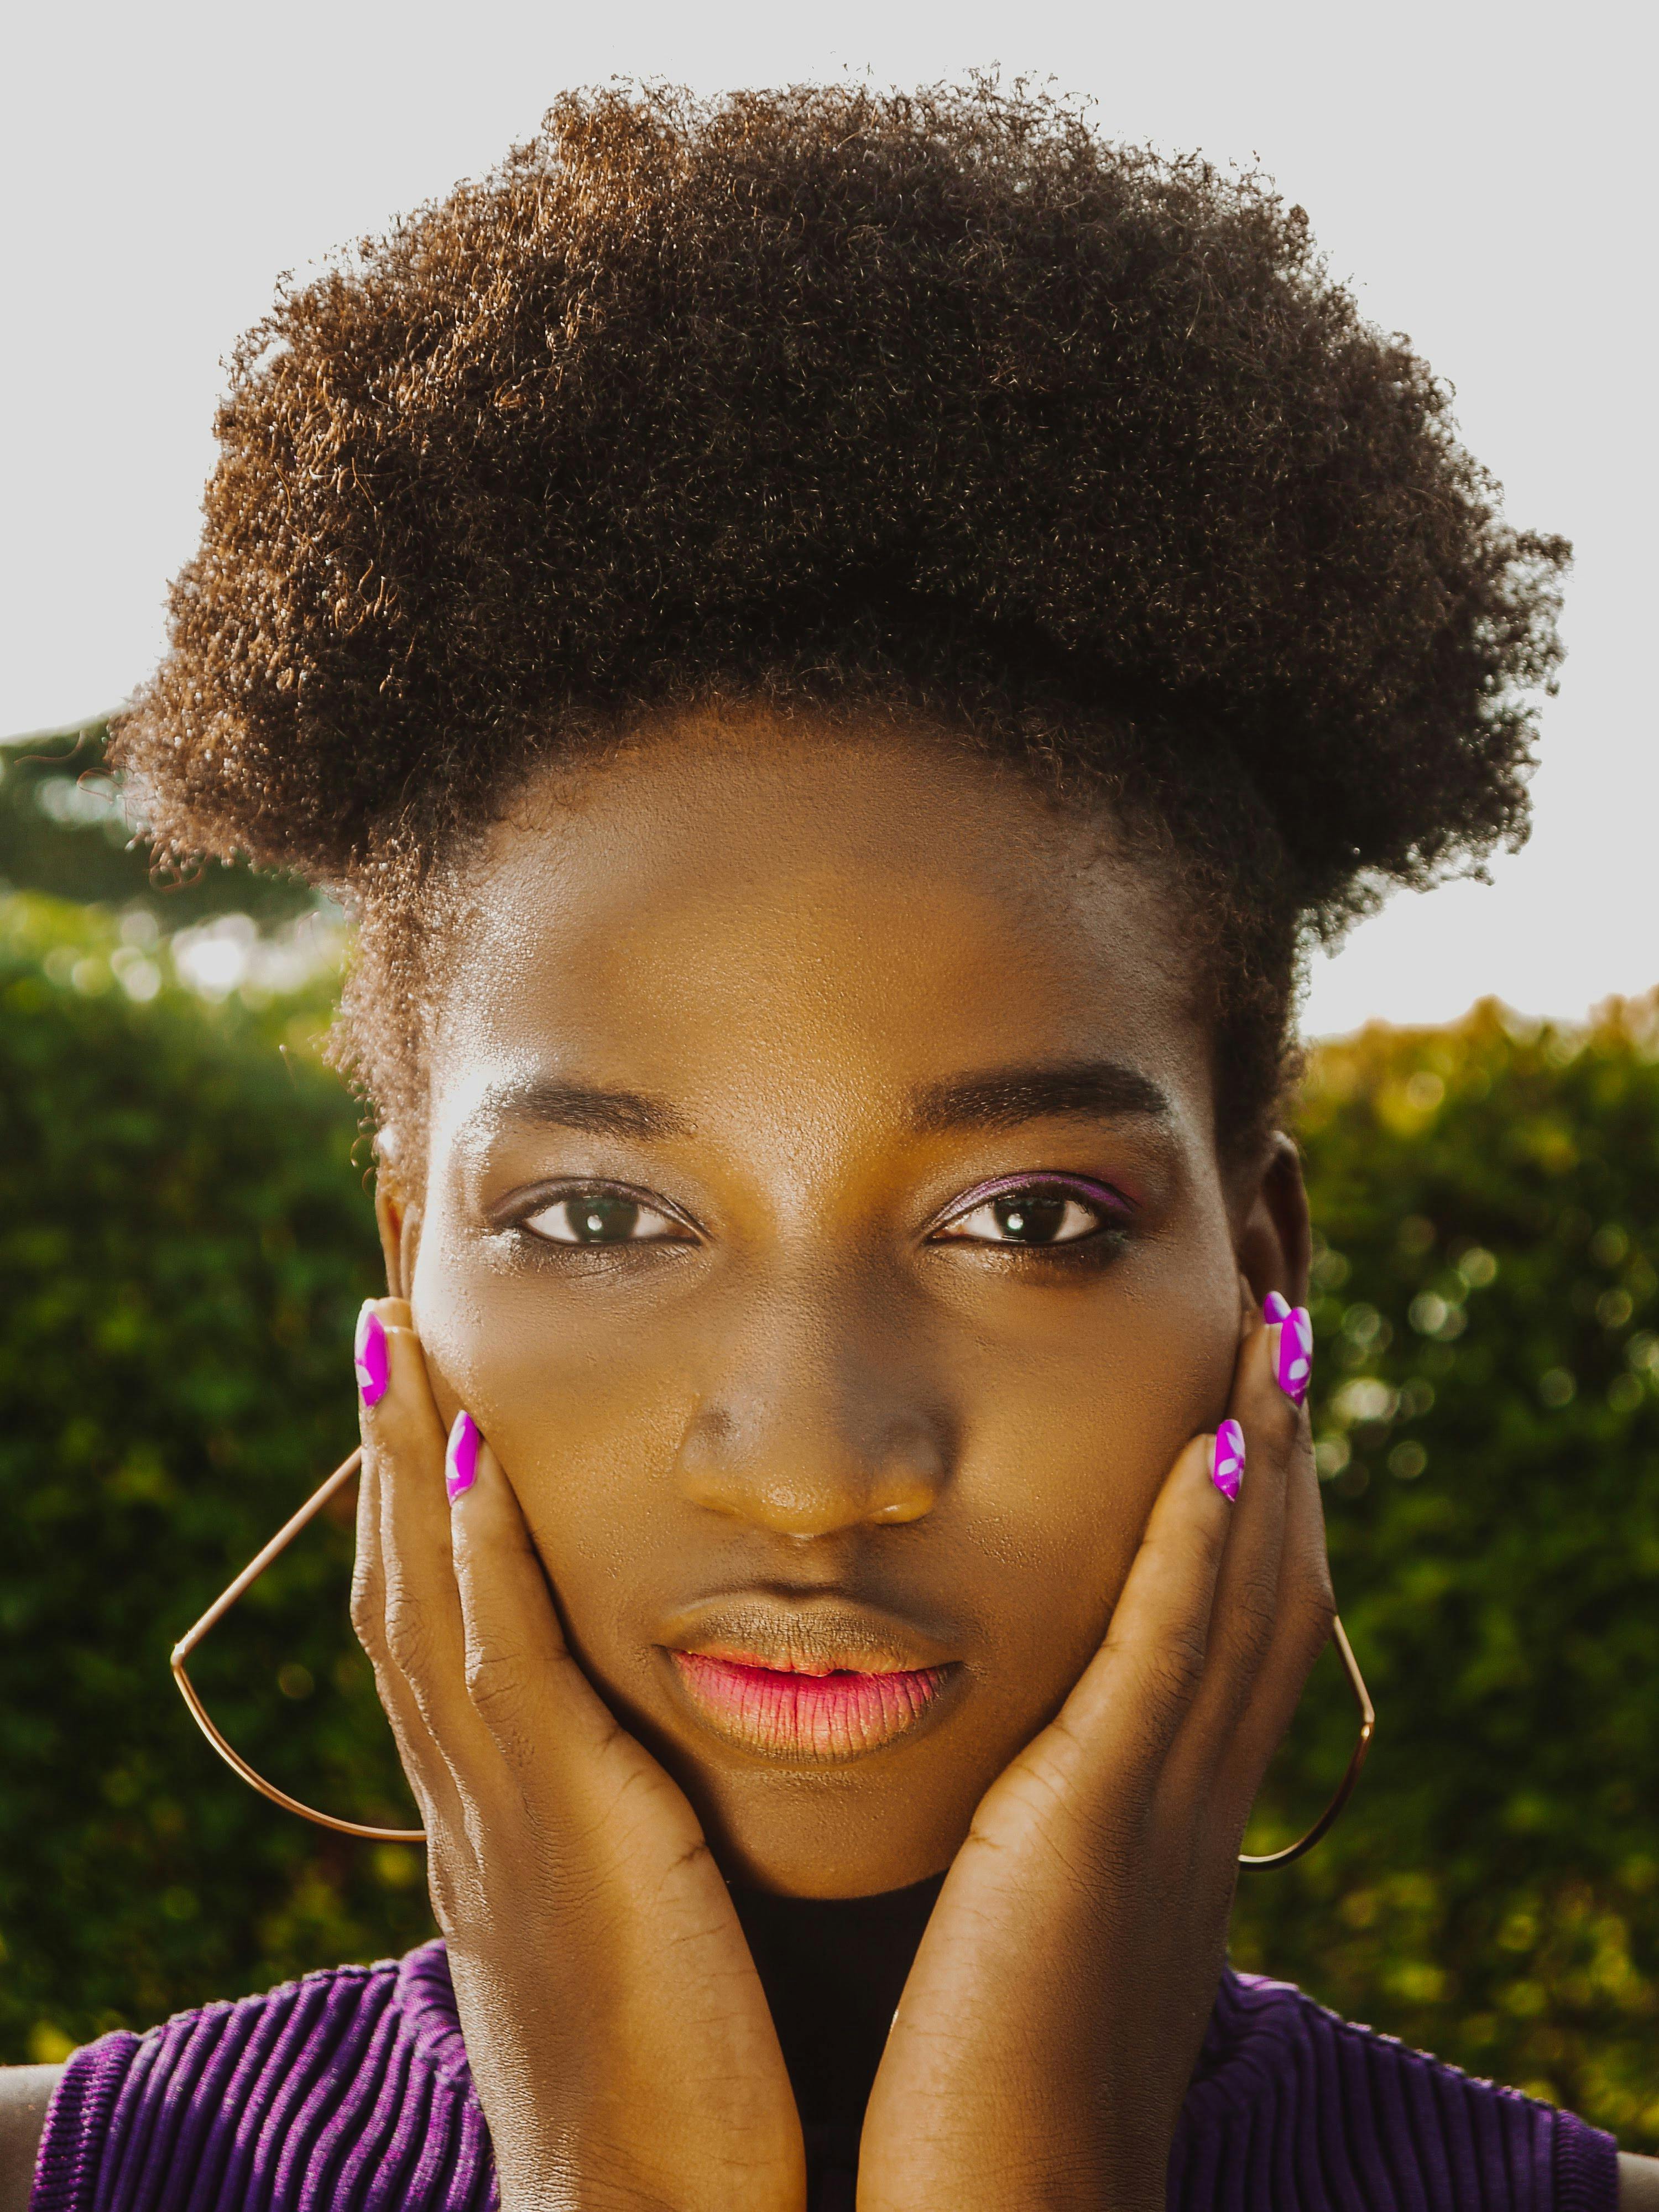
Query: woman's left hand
{"x": 1051, "y": 2021}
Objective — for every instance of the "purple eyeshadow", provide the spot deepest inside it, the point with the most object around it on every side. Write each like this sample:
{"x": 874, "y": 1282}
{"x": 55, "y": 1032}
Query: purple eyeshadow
{"x": 1068, "y": 1186}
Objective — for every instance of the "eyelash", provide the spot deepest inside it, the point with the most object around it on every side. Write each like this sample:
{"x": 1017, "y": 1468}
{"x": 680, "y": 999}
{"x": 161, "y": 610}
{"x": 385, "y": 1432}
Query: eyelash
{"x": 1111, "y": 1212}
{"x": 597, "y": 1194}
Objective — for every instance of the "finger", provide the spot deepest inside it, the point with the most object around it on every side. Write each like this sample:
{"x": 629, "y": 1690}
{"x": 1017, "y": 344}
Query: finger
{"x": 418, "y": 1754}
{"x": 1273, "y": 1603}
{"x": 1134, "y": 1694}
{"x": 520, "y": 1676}
{"x": 1305, "y": 1611}
{"x": 406, "y": 1439}
{"x": 589, "y": 1789}
{"x": 1250, "y": 1589}
{"x": 404, "y": 1602}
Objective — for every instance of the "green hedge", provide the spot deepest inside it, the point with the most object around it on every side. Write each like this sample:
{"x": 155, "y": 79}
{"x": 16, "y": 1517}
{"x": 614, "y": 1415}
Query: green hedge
{"x": 64, "y": 833}
{"x": 184, "y": 1240}
{"x": 1486, "y": 1401}
{"x": 185, "y": 1237}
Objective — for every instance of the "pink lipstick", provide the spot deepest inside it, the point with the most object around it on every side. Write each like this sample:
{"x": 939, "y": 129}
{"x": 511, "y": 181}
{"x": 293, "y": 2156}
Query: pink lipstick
{"x": 801, "y": 1711}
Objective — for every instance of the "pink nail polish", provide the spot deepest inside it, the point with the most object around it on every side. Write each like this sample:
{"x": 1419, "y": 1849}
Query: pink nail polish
{"x": 1227, "y": 1460}
{"x": 368, "y": 1356}
{"x": 461, "y": 1458}
{"x": 1295, "y": 1354}
{"x": 1274, "y": 1309}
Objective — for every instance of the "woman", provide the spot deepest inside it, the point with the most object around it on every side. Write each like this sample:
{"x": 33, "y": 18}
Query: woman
{"x": 841, "y": 648}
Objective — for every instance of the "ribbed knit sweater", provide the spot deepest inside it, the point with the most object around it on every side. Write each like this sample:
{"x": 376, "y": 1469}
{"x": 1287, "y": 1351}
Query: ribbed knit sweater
{"x": 349, "y": 2092}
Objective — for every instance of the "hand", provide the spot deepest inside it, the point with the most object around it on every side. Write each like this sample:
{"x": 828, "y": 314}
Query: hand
{"x": 1048, "y": 2029}
{"x": 616, "y": 2026}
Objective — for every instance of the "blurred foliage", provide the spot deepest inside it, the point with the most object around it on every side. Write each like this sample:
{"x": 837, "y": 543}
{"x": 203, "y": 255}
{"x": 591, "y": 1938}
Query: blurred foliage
{"x": 185, "y": 1235}
{"x": 64, "y": 832}
{"x": 184, "y": 1240}
{"x": 1488, "y": 1405}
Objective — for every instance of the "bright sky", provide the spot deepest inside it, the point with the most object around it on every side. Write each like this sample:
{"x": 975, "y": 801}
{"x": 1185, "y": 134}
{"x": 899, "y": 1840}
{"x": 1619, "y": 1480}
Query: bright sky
{"x": 1472, "y": 166}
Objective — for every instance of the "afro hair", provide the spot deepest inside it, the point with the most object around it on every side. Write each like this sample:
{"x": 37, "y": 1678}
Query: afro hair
{"x": 938, "y": 399}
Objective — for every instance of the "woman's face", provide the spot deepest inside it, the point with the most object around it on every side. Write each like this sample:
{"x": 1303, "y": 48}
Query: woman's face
{"x": 824, "y": 1223}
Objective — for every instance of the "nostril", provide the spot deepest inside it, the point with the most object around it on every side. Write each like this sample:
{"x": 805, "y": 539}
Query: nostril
{"x": 896, "y": 1512}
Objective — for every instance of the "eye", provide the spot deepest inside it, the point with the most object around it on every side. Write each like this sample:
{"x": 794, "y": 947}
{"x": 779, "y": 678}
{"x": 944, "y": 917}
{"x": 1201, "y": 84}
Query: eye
{"x": 596, "y": 1217}
{"x": 1032, "y": 1214}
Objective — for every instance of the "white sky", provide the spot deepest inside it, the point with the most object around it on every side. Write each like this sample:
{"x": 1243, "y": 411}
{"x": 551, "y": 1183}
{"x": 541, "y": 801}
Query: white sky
{"x": 1473, "y": 168}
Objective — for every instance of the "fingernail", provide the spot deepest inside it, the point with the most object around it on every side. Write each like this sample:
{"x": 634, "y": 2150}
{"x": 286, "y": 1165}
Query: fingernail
{"x": 1227, "y": 1460}
{"x": 461, "y": 1458}
{"x": 1273, "y": 1308}
{"x": 368, "y": 1356}
{"x": 1295, "y": 1354}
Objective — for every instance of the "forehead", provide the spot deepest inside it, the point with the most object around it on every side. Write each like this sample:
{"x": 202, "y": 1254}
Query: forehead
{"x": 783, "y": 921}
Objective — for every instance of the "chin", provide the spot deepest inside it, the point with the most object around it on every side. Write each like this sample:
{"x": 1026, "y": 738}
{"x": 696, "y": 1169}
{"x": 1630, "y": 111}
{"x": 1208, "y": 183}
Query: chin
{"x": 827, "y": 1834}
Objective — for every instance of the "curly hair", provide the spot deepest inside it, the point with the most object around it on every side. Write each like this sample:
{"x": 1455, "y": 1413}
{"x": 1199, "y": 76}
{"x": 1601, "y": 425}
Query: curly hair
{"x": 936, "y": 402}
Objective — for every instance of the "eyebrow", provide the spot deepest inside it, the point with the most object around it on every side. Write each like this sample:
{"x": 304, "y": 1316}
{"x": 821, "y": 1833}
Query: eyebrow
{"x": 588, "y": 1107}
{"x": 1004, "y": 1098}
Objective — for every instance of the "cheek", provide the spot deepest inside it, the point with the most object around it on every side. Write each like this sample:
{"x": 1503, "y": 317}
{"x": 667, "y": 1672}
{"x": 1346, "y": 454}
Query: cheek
{"x": 588, "y": 1439}
{"x": 1071, "y": 1445}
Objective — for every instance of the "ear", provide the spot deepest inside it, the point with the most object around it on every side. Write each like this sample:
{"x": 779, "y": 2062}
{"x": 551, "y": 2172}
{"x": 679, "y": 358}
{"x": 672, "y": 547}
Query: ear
{"x": 1275, "y": 1242}
{"x": 399, "y": 1221}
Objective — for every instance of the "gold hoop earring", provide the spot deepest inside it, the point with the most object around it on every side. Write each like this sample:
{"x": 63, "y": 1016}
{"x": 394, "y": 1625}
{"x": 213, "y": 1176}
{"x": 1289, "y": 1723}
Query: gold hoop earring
{"x": 343, "y": 1473}
{"x": 215, "y": 1612}
{"x": 1345, "y": 1787}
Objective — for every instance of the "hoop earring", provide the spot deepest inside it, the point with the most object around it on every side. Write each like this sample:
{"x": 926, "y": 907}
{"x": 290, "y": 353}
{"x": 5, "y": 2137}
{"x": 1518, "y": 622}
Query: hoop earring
{"x": 1327, "y": 1819}
{"x": 343, "y": 1473}
{"x": 215, "y": 1612}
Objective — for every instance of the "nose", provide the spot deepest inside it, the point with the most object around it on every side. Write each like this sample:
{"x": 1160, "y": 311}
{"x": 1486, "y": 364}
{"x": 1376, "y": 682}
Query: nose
{"x": 819, "y": 1418}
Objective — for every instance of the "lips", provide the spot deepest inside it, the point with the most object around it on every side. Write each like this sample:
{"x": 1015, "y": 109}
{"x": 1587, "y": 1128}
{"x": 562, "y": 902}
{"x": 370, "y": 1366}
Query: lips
{"x": 805, "y": 1684}
{"x": 812, "y": 1717}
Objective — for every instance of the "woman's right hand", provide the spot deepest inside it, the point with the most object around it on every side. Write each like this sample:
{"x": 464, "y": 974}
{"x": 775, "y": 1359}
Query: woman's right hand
{"x": 615, "y": 2024}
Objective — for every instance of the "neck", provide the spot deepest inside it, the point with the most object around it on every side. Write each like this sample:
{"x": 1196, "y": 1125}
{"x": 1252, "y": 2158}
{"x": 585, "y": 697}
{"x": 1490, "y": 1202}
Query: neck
{"x": 833, "y": 1970}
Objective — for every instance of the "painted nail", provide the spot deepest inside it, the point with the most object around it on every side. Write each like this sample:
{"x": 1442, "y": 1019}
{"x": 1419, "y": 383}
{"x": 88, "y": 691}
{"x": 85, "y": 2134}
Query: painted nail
{"x": 368, "y": 1356}
{"x": 1295, "y": 1354}
{"x": 1273, "y": 1309}
{"x": 1227, "y": 1460}
{"x": 461, "y": 1458}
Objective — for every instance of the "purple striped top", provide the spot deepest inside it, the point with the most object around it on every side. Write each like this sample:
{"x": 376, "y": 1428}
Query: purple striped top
{"x": 349, "y": 2092}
